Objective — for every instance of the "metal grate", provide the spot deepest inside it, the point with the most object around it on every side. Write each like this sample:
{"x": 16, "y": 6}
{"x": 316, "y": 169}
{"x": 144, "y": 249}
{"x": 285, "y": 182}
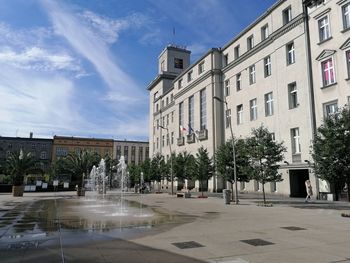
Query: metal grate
{"x": 257, "y": 242}
{"x": 186, "y": 245}
{"x": 293, "y": 228}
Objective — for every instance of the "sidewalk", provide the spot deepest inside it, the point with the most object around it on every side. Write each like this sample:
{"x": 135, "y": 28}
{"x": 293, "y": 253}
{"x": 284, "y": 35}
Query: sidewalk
{"x": 208, "y": 231}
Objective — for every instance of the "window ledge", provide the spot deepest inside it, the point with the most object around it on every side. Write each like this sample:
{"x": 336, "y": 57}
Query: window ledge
{"x": 330, "y": 85}
{"x": 345, "y": 30}
{"x": 323, "y": 41}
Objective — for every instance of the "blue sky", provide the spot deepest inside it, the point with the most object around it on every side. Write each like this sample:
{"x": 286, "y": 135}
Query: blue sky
{"x": 81, "y": 67}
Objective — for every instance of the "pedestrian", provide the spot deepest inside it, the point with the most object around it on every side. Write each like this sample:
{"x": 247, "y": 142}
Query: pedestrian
{"x": 308, "y": 190}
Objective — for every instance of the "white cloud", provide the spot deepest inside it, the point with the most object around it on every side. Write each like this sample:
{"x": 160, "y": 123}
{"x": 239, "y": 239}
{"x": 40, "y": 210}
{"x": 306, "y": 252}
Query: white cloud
{"x": 94, "y": 48}
{"x": 109, "y": 29}
{"x": 39, "y": 59}
{"x": 31, "y": 102}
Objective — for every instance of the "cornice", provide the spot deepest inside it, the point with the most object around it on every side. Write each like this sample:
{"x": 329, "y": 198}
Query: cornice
{"x": 274, "y": 36}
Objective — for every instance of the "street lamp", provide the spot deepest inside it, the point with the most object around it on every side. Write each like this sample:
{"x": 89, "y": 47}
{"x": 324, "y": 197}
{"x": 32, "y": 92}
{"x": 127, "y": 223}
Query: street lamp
{"x": 234, "y": 152}
{"x": 171, "y": 159}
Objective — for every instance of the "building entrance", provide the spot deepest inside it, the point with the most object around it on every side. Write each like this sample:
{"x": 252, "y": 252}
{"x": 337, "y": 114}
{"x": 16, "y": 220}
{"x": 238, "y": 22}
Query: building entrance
{"x": 297, "y": 180}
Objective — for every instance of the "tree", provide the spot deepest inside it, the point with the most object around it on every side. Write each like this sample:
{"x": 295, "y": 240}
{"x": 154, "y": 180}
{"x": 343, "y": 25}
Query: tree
{"x": 158, "y": 168}
{"x": 111, "y": 167}
{"x": 184, "y": 166}
{"x": 19, "y": 164}
{"x": 204, "y": 166}
{"x": 146, "y": 169}
{"x": 225, "y": 164}
{"x": 265, "y": 153}
{"x": 134, "y": 173}
{"x": 79, "y": 165}
{"x": 330, "y": 150}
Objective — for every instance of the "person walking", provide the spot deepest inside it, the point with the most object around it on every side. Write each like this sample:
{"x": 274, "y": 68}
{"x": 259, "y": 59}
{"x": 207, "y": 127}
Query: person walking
{"x": 308, "y": 190}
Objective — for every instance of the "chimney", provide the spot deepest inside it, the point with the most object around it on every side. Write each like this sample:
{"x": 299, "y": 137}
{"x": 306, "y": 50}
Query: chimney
{"x": 31, "y": 135}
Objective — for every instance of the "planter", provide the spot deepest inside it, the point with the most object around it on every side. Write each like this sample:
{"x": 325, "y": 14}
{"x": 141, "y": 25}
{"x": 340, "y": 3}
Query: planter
{"x": 202, "y": 196}
{"x": 80, "y": 191}
{"x": 17, "y": 190}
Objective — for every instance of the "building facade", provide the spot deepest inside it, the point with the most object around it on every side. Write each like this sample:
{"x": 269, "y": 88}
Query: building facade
{"x": 285, "y": 71}
{"x": 63, "y": 145}
{"x": 134, "y": 152}
{"x": 39, "y": 148}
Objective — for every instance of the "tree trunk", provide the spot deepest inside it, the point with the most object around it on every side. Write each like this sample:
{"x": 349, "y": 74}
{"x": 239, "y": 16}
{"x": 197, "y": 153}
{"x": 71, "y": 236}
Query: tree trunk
{"x": 232, "y": 196}
{"x": 263, "y": 188}
{"x": 201, "y": 184}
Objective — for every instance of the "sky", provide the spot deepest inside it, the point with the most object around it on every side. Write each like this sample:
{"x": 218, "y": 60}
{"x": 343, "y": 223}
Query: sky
{"x": 81, "y": 67}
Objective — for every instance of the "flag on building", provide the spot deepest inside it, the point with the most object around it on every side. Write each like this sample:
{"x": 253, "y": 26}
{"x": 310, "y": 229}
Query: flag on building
{"x": 182, "y": 128}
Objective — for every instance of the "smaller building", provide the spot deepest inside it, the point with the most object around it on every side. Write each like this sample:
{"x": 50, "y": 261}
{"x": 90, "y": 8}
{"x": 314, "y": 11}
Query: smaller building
{"x": 62, "y": 145}
{"x": 38, "y": 147}
{"x": 135, "y": 152}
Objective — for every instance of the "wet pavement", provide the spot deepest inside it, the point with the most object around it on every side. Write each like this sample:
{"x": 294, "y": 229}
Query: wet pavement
{"x": 71, "y": 229}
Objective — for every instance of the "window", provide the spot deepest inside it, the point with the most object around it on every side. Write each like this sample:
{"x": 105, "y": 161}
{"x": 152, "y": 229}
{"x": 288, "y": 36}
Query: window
{"x": 178, "y": 63}
{"x": 264, "y": 32}
{"x": 267, "y": 66}
{"x": 236, "y": 52}
{"x": 228, "y": 118}
{"x": 324, "y": 28}
{"x": 61, "y": 152}
{"x": 348, "y": 62}
{"x": 126, "y": 152}
{"x": 330, "y": 108}
{"x": 287, "y": 15}
{"x": 268, "y": 104}
{"x": 162, "y": 66}
{"x": 346, "y": 16}
{"x": 172, "y": 137}
{"x": 181, "y": 114}
{"x": 250, "y": 42}
{"x": 158, "y": 124}
{"x": 191, "y": 113}
{"x": 157, "y": 107}
{"x": 290, "y": 53}
{"x": 273, "y": 187}
{"x": 133, "y": 153}
{"x": 163, "y": 140}
{"x": 189, "y": 76}
{"x": 147, "y": 152}
{"x": 242, "y": 185}
{"x": 163, "y": 122}
{"x": 157, "y": 142}
{"x": 172, "y": 117}
{"x": 240, "y": 114}
{"x": 43, "y": 155}
{"x": 225, "y": 60}
{"x": 295, "y": 140}
{"x": 273, "y": 136}
{"x": 167, "y": 139}
{"x": 119, "y": 152}
{"x": 171, "y": 97}
{"x": 167, "y": 101}
{"x": 253, "y": 109}
{"x": 140, "y": 154}
{"x": 167, "y": 120}
{"x": 238, "y": 82}
{"x": 328, "y": 74}
{"x": 201, "y": 68}
{"x": 227, "y": 88}
{"x": 180, "y": 84}
{"x": 252, "y": 75}
{"x": 203, "y": 109}
{"x": 292, "y": 95}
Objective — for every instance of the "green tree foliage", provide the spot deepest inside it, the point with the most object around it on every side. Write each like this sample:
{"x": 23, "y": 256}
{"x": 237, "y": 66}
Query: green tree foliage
{"x": 265, "y": 153}
{"x": 158, "y": 168}
{"x": 111, "y": 167}
{"x": 184, "y": 166}
{"x": 134, "y": 173}
{"x": 19, "y": 164}
{"x": 204, "y": 166}
{"x": 80, "y": 164}
{"x": 225, "y": 164}
{"x": 146, "y": 169}
{"x": 331, "y": 150}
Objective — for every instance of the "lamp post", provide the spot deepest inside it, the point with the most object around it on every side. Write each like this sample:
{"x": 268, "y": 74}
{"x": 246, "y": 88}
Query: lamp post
{"x": 234, "y": 153}
{"x": 171, "y": 160}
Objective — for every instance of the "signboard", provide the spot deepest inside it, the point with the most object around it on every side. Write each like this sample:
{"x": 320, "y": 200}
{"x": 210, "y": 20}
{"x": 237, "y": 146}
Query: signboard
{"x": 323, "y": 186}
{"x": 32, "y": 188}
{"x": 65, "y": 185}
{"x": 44, "y": 186}
{"x": 38, "y": 183}
{"x": 55, "y": 183}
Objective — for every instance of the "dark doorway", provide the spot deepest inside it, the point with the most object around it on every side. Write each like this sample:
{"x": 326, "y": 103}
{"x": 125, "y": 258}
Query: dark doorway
{"x": 297, "y": 180}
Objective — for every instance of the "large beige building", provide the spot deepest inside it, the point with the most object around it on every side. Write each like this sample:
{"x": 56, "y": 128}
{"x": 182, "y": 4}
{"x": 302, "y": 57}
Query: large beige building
{"x": 276, "y": 72}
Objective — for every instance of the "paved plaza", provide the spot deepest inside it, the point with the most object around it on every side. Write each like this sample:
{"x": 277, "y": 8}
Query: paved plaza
{"x": 43, "y": 227}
